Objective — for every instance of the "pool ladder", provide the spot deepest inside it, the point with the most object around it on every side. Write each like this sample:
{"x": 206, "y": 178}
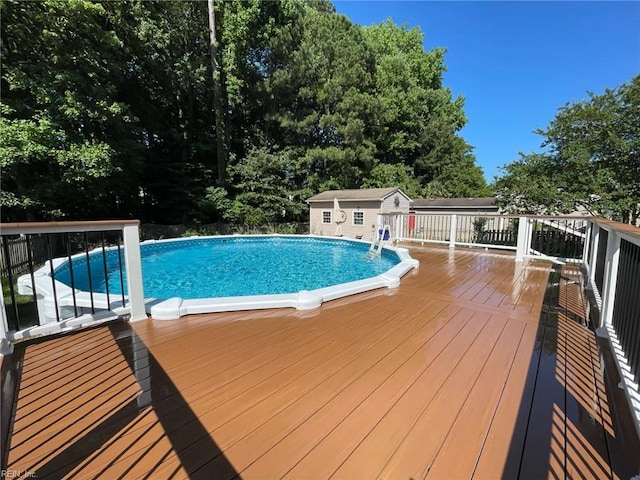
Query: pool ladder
{"x": 383, "y": 234}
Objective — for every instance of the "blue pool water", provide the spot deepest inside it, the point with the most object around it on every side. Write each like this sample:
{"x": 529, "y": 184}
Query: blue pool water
{"x": 233, "y": 266}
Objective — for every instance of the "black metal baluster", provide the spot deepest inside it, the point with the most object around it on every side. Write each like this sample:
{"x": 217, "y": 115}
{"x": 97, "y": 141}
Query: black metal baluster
{"x": 106, "y": 275}
{"x": 624, "y": 280}
{"x": 551, "y": 240}
{"x": 535, "y": 236}
{"x": 72, "y": 280}
{"x": 633, "y": 315}
{"x": 86, "y": 251}
{"x": 33, "y": 279}
{"x": 561, "y": 239}
{"x": 626, "y": 304}
{"x": 625, "y": 277}
{"x": 635, "y": 310}
{"x": 571, "y": 240}
{"x": 600, "y": 259}
{"x": 12, "y": 292}
{"x": 578, "y": 241}
{"x": 53, "y": 276}
{"x": 619, "y": 303}
{"x": 589, "y": 231}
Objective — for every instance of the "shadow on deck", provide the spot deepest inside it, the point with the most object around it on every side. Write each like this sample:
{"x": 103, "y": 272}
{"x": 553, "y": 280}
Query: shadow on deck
{"x": 566, "y": 398}
{"x": 78, "y": 403}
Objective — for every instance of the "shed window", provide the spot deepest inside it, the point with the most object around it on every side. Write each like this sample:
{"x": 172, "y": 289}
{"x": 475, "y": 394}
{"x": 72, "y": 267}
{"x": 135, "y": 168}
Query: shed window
{"x": 358, "y": 218}
{"x": 326, "y": 216}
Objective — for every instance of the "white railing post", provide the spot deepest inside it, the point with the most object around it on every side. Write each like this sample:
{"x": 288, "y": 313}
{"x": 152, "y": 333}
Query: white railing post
{"x": 6, "y": 347}
{"x": 453, "y": 231}
{"x": 524, "y": 238}
{"x": 133, "y": 263}
{"x": 610, "y": 278}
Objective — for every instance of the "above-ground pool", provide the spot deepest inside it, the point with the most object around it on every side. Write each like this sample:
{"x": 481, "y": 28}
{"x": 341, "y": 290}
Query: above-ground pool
{"x": 224, "y": 273}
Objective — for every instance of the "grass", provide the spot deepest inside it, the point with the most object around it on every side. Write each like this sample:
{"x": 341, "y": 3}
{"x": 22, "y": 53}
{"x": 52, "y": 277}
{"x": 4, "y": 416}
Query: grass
{"x": 23, "y": 304}
{"x": 6, "y": 293}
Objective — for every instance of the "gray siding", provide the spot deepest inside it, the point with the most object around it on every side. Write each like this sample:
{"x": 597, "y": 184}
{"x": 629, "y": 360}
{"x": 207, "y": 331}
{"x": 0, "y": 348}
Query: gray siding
{"x": 388, "y": 204}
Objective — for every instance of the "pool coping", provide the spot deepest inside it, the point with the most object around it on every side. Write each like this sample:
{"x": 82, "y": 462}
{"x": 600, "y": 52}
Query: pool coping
{"x": 176, "y": 307}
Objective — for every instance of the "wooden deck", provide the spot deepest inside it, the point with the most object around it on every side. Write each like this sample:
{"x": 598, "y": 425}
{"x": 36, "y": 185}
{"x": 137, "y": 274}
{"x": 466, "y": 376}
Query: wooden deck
{"x": 476, "y": 367}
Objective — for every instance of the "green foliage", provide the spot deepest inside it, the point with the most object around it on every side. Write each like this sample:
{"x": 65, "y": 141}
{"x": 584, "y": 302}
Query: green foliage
{"x": 398, "y": 175}
{"x": 463, "y": 179}
{"x": 108, "y": 111}
{"x": 6, "y": 294}
{"x": 61, "y": 117}
{"x": 246, "y": 229}
{"x": 268, "y": 189}
{"x": 419, "y": 119}
{"x": 592, "y": 163}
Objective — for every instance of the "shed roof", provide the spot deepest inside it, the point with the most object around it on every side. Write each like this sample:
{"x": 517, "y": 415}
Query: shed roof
{"x": 480, "y": 202}
{"x": 360, "y": 194}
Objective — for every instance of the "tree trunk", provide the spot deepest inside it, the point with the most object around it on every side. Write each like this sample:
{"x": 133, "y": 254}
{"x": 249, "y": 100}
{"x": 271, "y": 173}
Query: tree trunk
{"x": 217, "y": 95}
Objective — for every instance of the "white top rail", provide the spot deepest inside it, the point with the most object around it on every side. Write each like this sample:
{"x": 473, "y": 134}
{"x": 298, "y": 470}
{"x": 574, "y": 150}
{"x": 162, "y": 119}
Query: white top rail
{"x": 64, "y": 227}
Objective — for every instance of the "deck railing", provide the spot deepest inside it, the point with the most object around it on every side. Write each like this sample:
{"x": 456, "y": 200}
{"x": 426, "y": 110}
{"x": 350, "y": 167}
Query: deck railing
{"x": 35, "y": 302}
{"x": 554, "y": 238}
{"x": 496, "y": 231}
{"x": 612, "y": 269}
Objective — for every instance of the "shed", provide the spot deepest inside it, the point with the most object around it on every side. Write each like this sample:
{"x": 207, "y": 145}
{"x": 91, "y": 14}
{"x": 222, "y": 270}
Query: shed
{"x": 354, "y": 213}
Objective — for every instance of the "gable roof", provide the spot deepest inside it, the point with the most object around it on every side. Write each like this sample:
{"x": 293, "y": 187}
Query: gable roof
{"x": 481, "y": 202}
{"x": 358, "y": 194}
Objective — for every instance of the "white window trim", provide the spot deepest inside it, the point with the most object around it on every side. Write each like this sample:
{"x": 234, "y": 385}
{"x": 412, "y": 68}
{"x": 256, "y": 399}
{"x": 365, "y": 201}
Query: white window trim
{"x": 353, "y": 218}
{"x": 330, "y": 217}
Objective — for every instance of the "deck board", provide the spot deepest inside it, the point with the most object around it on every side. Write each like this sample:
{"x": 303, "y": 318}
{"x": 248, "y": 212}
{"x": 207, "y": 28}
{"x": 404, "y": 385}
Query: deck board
{"x": 434, "y": 356}
{"x": 402, "y": 365}
{"x": 416, "y": 452}
{"x": 472, "y": 368}
{"x": 458, "y": 454}
{"x": 364, "y": 402}
{"x": 501, "y": 452}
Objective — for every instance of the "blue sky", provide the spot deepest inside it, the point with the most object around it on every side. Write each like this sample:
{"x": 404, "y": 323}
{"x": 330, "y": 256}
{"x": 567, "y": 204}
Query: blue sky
{"x": 516, "y": 63}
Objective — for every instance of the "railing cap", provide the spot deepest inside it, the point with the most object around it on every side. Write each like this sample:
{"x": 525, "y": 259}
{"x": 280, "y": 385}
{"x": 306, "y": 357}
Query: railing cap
{"x": 625, "y": 228}
{"x": 76, "y": 226}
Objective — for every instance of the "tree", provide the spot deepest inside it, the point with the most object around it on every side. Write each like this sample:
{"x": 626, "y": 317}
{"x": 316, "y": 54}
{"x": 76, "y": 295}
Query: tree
{"x": 592, "y": 161}
{"x": 268, "y": 190}
{"x": 419, "y": 120}
{"x": 170, "y": 90}
{"x": 62, "y": 122}
{"x": 107, "y": 110}
{"x": 530, "y": 185}
{"x": 394, "y": 175}
{"x": 462, "y": 178}
{"x": 320, "y": 98}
